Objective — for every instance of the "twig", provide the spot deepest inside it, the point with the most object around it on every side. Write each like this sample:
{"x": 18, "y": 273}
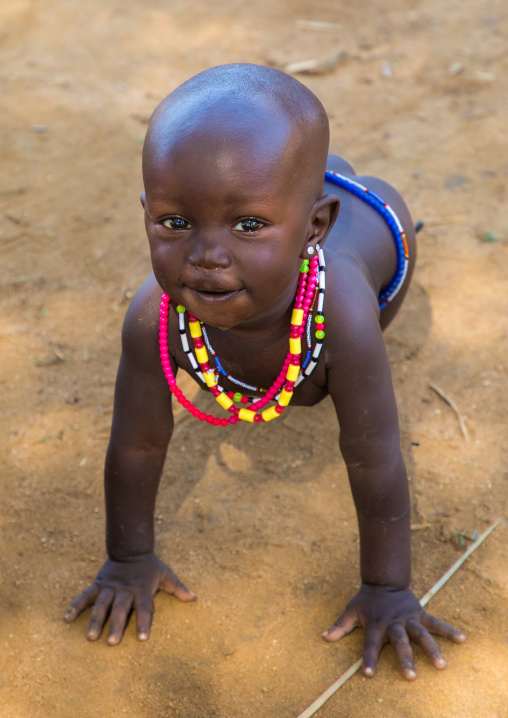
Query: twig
{"x": 313, "y": 709}
{"x": 315, "y": 67}
{"x": 454, "y": 406}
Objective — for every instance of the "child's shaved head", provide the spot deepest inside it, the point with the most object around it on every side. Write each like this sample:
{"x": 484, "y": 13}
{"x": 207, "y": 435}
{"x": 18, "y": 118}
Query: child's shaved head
{"x": 233, "y": 106}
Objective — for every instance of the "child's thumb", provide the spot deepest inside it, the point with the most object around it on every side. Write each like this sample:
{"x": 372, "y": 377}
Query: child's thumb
{"x": 171, "y": 584}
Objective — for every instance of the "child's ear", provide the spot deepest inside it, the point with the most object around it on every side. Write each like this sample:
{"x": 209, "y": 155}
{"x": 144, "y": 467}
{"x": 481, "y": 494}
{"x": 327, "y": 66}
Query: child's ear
{"x": 322, "y": 218}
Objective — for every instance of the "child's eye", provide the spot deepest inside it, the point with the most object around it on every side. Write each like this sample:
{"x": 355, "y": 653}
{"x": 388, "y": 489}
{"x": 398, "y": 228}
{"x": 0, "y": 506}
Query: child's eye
{"x": 176, "y": 223}
{"x": 248, "y": 225}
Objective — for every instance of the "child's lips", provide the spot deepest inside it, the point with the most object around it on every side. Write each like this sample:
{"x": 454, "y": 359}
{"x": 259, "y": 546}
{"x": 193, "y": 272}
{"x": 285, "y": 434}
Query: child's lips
{"x": 211, "y": 296}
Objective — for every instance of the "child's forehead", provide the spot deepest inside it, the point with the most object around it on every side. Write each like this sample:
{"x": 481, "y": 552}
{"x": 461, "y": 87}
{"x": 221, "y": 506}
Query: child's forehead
{"x": 246, "y": 153}
{"x": 225, "y": 131}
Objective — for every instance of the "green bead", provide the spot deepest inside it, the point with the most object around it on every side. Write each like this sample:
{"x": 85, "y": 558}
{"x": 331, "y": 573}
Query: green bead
{"x": 180, "y": 309}
{"x": 305, "y": 263}
{"x": 320, "y": 334}
{"x": 320, "y": 319}
{"x": 305, "y": 269}
{"x": 237, "y": 396}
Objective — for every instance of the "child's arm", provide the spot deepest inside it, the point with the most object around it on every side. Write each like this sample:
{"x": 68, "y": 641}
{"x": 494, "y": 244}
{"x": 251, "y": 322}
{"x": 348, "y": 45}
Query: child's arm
{"x": 141, "y": 429}
{"x": 360, "y": 384}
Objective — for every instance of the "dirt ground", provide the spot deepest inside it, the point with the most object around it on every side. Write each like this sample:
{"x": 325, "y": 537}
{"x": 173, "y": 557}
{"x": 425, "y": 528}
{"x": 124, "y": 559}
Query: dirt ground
{"x": 258, "y": 521}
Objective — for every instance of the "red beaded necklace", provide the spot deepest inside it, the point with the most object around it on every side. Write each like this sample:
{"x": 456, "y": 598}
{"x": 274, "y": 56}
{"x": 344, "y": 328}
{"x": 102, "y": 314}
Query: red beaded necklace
{"x": 282, "y": 388}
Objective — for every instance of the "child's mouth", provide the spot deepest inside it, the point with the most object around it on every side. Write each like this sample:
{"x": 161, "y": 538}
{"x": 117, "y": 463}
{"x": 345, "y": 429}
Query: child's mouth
{"x": 214, "y": 295}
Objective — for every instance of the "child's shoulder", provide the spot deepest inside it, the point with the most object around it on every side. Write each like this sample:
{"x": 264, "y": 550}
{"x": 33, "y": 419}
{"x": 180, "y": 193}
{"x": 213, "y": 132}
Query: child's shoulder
{"x": 141, "y": 323}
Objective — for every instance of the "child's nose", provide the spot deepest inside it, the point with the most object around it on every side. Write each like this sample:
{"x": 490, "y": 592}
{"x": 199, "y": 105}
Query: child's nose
{"x": 209, "y": 252}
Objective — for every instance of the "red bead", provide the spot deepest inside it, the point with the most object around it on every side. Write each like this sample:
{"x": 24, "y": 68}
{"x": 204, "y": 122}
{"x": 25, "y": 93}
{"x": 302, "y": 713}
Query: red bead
{"x": 245, "y": 399}
{"x": 202, "y": 416}
{"x": 210, "y": 419}
{"x": 195, "y": 412}
{"x": 320, "y": 326}
{"x": 279, "y": 409}
{"x": 186, "y": 403}
{"x": 288, "y": 387}
{"x": 216, "y": 421}
{"x": 205, "y": 367}
{"x": 198, "y": 343}
{"x": 231, "y": 394}
{"x": 231, "y": 409}
{"x": 307, "y": 302}
{"x": 223, "y": 422}
{"x": 258, "y": 418}
{"x": 233, "y": 419}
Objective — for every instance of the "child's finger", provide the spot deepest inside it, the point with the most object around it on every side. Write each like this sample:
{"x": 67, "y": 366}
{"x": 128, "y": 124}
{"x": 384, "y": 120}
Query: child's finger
{"x": 85, "y": 599}
{"x": 172, "y": 585}
{"x": 371, "y": 648}
{"x": 143, "y": 605}
{"x": 442, "y": 629}
{"x": 402, "y": 647}
{"x": 118, "y": 618}
{"x": 346, "y": 623}
{"x": 99, "y": 613}
{"x": 419, "y": 634}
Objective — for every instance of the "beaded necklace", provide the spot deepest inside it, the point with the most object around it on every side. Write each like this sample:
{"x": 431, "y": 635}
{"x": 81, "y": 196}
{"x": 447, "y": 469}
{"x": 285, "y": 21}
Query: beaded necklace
{"x": 311, "y": 283}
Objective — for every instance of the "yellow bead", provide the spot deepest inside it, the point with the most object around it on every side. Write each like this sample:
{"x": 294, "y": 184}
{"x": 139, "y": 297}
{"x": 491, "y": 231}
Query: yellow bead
{"x": 246, "y": 414}
{"x": 292, "y": 373}
{"x": 195, "y": 329}
{"x": 285, "y": 397}
{"x": 224, "y": 400}
{"x": 269, "y": 414}
{"x": 295, "y": 345}
{"x": 202, "y": 355}
{"x": 210, "y": 379}
{"x": 297, "y": 317}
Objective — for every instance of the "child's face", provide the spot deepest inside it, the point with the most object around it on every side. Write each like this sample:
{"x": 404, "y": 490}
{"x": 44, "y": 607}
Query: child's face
{"x": 227, "y": 223}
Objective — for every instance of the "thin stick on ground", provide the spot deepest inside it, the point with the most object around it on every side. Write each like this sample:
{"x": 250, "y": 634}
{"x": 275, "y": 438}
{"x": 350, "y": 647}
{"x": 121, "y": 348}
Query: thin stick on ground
{"x": 319, "y": 702}
{"x": 455, "y": 408}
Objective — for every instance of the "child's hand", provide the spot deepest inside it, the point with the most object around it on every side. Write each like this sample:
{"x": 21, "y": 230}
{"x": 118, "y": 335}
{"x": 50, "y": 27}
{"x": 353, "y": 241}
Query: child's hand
{"x": 395, "y": 616}
{"x": 121, "y": 586}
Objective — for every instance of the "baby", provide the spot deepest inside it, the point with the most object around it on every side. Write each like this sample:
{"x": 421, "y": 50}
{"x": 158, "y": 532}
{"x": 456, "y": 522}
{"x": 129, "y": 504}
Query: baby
{"x": 240, "y": 217}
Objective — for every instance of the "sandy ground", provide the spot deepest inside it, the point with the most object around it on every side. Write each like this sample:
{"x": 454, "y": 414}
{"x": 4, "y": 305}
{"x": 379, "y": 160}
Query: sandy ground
{"x": 259, "y": 522}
